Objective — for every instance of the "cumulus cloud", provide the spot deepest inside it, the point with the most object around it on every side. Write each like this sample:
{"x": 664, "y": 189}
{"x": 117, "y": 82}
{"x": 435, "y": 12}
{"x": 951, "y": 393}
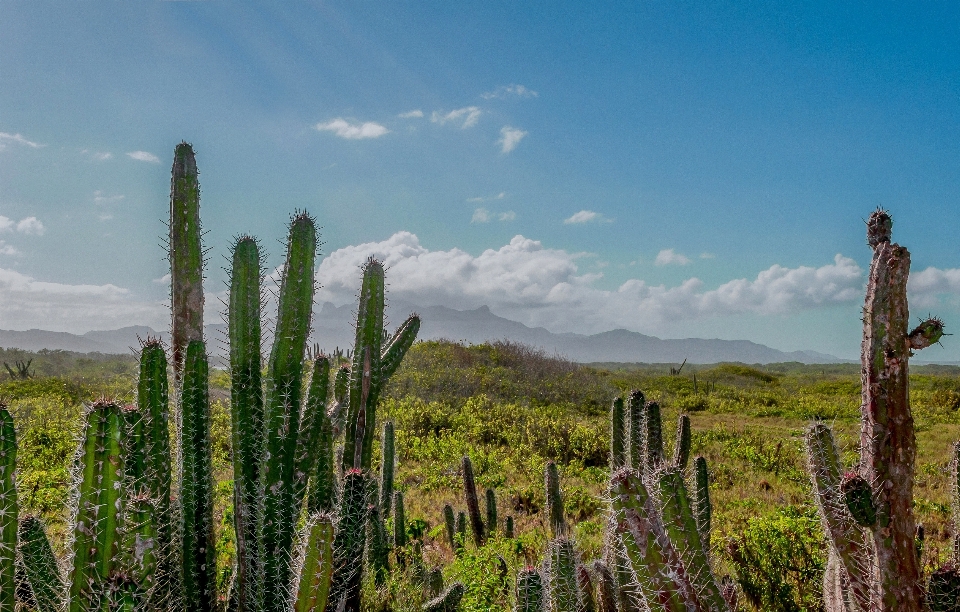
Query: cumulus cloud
{"x": 414, "y": 114}
{"x": 353, "y": 131}
{"x": 29, "y": 303}
{"x": 528, "y": 282}
{"x": 480, "y": 215}
{"x": 505, "y": 91}
{"x": 586, "y": 216}
{"x": 668, "y": 257}
{"x": 144, "y": 156}
{"x": 28, "y": 225}
{"x": 6, "y": 249}
{"x": 507, "y": 216}
{"x": 466, "y": 116}
{"x": 510, "y": 138}
{"x": 17, "y": 139}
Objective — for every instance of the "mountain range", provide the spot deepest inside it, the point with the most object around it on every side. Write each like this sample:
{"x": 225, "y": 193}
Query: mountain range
{"x": 333, "y": 327}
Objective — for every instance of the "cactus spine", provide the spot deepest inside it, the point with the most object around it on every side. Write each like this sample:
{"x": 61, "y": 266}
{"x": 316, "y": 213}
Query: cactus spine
{"x": 551, "y": 477}
{"x": 186, "y": 254}
{"x": 868, "y": 514}
{"x": 634, "y": 430}
{"x": 681, "y": 449}
{"x": 40, "y": 566}
{"x": 9, "y": 510}
{"x": 529, "y": 591}
{"x": 315, "y": 442}
{"x": 564, "y": 593}
{"x": 349, "y": 541}
{"x": 618, "y": 448}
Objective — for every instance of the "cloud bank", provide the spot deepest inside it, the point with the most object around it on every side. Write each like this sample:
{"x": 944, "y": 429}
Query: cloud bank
{"x": 353, "y": 131}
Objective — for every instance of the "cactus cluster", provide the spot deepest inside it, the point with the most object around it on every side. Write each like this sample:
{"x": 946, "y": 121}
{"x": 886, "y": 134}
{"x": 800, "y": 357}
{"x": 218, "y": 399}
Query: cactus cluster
{"x": 867, "y": 510}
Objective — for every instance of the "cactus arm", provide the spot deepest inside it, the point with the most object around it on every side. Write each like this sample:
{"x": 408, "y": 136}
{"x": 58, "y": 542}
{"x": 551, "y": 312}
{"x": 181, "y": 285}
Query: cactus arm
{"x": 887, "y": 435}
{"x": 316, "y": 565}
{"x": 198, "y": 565}
{"x": 703, "y": 510}
{"x": 312, "y": 423}
{"x": 246, "y": 416}
{"x": 635, "y": 430}
{"x": 551, "y": 477}
{"x": 378, "y": 547}
{"x": 606, "y": 589}
{"x": 448, "y": 601}
{"x": 186, "y": 254}
{"x": 387, "y": 465}
{"x": 653, "y": 435}
{"x": 681, "y": 448}
{"x": 529, "y": 591}
{"x": 96, "y": 519}
{"x": 40, "y": 565}
{"x": 349, "y": 541}
{"x": 282, "y": 409}
{"x": 473, "y": 503}
{"x": 491, "y": 511}
{"x": 9, "y": 510}
{"x": 564, "y": 593}
{"x": 661, "y": 576}
{"x": 399, "y": 344}
{"x": 618, "y": 449}
{"x": 681, "y": 527}
{"x": 449, "y": 521}
{"x": 322, "y": 485}
{"x": 847, "y": 542}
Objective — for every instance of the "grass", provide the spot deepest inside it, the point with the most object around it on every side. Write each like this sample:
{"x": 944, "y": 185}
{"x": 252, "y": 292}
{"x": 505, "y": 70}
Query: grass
{"x": 512, "y": 409}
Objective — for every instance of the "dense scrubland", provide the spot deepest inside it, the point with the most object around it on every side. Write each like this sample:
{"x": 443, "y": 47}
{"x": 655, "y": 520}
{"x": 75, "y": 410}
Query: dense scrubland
{"x": 511, "y": 408}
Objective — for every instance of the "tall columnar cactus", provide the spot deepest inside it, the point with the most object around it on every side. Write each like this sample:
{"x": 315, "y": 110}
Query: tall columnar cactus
{"x": 315, "y": 566}
{"x": 551, "y": 477}
{"x": 315, "y": 441}
{"x": 681, "y": 450}
{"x": 40, "y": 565}
{"x": 399, "y": 528}
{"x": 868, "y": 512}
{"x": 140, "y": 550}
{"x": 9, "y": 510}
{"x": 561, "y": 572}
{"x": 585, "y": 583}
{"x": 99, "y": 471}
{"x": 491, "y": 511}
{"x": 198, "y": 564}
{"x": 606, "y": 587}
{"x": 635, "y": 430}
{"x": 618, "y": 448}
{"x": 349, "y": 541}
{"x": 378, "y": 545}
{"x": 388, "y": 462}
{"x": 450, "y": 521}
{"x": 529, "y": 591}
{"x": 473, "y": 503}
{"x": 186, "y": 253}
{"x": 448, "y": 601}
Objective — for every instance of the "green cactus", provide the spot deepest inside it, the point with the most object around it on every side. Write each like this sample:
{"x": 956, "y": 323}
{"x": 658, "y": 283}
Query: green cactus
{"x": 491, "y": 499}
{"x": 9, "y": 510}
{"x": 681, "y": 448}
{"x": 703, "y": 509}
{"x": 473, "y": 503}
{"x": 943, "y": 589}
{"x": 388, "y": 462}
{"x": 378, "y": 546}
{"x": 315, "y": 441}
{"x": 348, "y": 544}
{"x": 186, "y": 254}
{"x": 561, "y": 571}
{"x": 450, "y": 521}
{"x": 448, "y": 601}
{"x": 399, "y": 522}
{"x": 508, "y": 527}
{"x": 529, "y": 591}
{"x": 606, "y": 588}
{"x": 140, "y": 548}
{"x": 434, "y": 583}
{"x": 618, "y": 446}
{"x": 653, "y": 435}
{"x": 858, "y": 496}
{"x": 40, "y": 565}
{"x": 635, "y": 430}
{"x": 558, "y": 526}
{"x": 96, "y": 516}
{"x": 315, "y": 567}
{"x": 461, "y": 536}
{"x": 585, "y": 584}
{"x": 198, "y": 569}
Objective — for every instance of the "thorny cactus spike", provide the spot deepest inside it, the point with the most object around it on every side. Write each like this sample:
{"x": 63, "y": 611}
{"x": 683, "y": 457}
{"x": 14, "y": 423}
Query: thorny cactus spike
{"x": 96, "y": 517}
{"x": 885, "y": 552}
{"x": 551, "y": 477}
{"x": 491, "y": 512}
{"x": 529, "y": 591}
{"x": 561, "y": 572}
{"x": 140, "y": 551}
{"x": 284, "y": 383}
{"x": 9, "y": 510}
{"x": 313, "y": 421}
{"x": 388, "y": 462}
{"x": 703, "y": 509}
{"x": 450, "y": 521}
{"x": 585, "y": 583}
{"x": 653, "y": 436}
{"x": 398, "y": 345}
{"x": 378, "y": 546}
{"x": 198, "y": 575}
{"x": 606, "y": 589}
{"x": 246, "y": 416}
{"x": 315, "y": 565}
{"x": 40, "y": 565}
{"x": 508, "y": 527}
{"x": 618, "y": 449}
{"x": 473, "y": 503}
{"x": 133, "y": 445}
{"x": 635, "y": 430}
{"x": 681, "y": 449}
{"x": 122, "y": 595}
{"x": 448, "y": 601}
{"x": 186, "y": 254}
{"x": 349, "y": 541}
{"x": 153, "y": 402}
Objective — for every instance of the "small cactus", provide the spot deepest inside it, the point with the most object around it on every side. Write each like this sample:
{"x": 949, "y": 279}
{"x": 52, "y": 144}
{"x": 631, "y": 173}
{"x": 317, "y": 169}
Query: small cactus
{"x": 491, "y": 499}
{"x": 473, "y": 504}
{"x": 449, "y": 521}
{"x": 558, "y": 525}
{"x": 529, "y": 591}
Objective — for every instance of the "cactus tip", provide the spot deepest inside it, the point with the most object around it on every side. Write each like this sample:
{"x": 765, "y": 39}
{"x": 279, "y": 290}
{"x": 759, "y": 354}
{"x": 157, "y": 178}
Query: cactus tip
{"x": 879, "y": 228}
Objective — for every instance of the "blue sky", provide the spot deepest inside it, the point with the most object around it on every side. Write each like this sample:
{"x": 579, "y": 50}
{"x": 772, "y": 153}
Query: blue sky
{"x": 672, "y": 168}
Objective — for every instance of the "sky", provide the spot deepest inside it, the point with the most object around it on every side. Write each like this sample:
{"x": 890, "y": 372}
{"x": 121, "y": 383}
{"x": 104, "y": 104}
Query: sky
{"x": 679, "y": 169}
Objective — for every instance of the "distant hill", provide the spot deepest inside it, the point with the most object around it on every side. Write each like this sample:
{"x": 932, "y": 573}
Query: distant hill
{"x": 333, "y": 327}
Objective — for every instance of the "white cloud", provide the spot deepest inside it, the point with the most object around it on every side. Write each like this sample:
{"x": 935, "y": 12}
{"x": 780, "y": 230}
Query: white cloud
{"x": 469, "y": 114}
{"x": 499, "y": 196}
{"x": 353, "y": 131}
{"x": 28, "y": 303}
{"x": 480, "y": 215}
{"x": 507, "y": 216}
{"x": 668, "y": 257}
{"x": 28, "y": 225}
{"x": 510, "y": 138}
{"x": 163, "y": 279}
{"x": 586, "y": 216}
{"x": 509, "y": 90}
{"x": 17, "y": 139}
{"x": 527, "y": 282}
{"x": 102, "y": 156}
{"x": 6, "y": 249}
{"x": 414, "y": 114}
{"x": 144, "y": 156}
{"x": 31, "y": 226}
{"x": 708, "y": 256}
{"x": 101, "y": 199}
{"x": 926, "y": 287}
